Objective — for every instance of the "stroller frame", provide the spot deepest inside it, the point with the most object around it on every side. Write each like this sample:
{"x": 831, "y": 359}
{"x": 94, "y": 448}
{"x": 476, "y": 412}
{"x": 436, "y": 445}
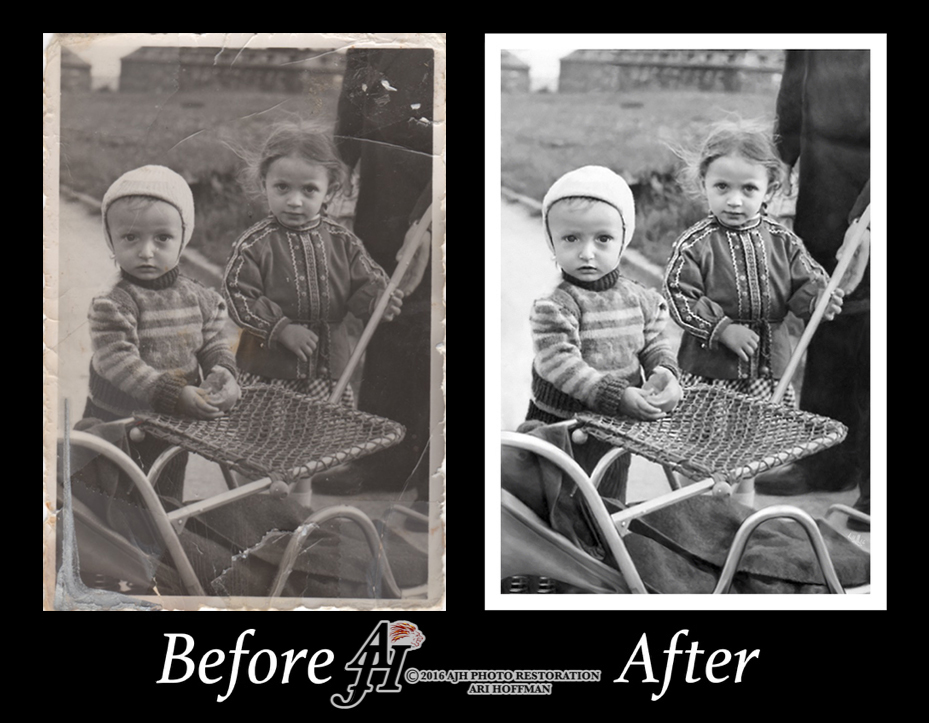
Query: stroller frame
{"x": 612, "y": 528}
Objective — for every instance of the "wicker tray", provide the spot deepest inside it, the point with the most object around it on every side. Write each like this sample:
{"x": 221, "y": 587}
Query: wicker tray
{"x": 717, "y": 432}
{"x": 275, "y": 431}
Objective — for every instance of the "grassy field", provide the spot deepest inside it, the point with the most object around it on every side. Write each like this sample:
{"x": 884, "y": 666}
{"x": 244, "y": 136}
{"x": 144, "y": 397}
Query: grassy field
{"x": 547, "y": 134}
{"x": 103, "y": 135}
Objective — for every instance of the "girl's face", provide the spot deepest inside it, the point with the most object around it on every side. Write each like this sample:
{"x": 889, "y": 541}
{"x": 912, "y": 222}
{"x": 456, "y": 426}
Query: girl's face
{"x": 735, "y": 189}
{"x": 587, "y": 239}
{"x": 296, "y": 190}
{"x": 146, "y": 236}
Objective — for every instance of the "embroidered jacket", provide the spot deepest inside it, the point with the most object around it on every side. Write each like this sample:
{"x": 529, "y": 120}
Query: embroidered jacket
{"x": 592, "y": 340}
{"x": 717, "y": 276}
{"x": 151, "y": 338}
{"x": 311, "y": 276}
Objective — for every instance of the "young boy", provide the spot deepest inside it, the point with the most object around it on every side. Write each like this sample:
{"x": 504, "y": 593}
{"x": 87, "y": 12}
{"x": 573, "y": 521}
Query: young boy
{"x": 597, "y": 332}
{"x": 154, "y": 331}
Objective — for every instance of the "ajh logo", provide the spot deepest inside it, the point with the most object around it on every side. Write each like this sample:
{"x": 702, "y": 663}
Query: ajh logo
{"x": 384, "y": 651}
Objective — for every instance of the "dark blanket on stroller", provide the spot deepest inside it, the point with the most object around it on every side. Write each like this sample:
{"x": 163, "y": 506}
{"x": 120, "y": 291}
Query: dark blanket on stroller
{"x": 681, "y": 548}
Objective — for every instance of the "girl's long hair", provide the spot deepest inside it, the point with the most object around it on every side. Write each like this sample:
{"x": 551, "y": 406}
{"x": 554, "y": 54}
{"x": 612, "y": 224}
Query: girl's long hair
{"x": 289, "y": 138}
{"x": 753, "y": 140}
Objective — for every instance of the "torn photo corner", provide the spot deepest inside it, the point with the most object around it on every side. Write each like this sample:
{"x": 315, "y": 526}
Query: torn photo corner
{"x": 244, "y": 337}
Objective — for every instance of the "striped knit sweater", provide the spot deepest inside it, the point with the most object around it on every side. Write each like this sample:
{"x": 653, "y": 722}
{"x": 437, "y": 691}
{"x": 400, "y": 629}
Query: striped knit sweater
{"x": 151, "y": 339}
{"x": 592, "y": 340}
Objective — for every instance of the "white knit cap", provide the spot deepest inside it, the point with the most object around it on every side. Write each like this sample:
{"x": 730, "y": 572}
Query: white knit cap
{"x": 157, "y": 182}
{"x": 593, "y": 182}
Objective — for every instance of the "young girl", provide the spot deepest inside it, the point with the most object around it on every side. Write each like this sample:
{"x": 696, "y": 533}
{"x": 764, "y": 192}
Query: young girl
{"x": 293, "y": 277}
{"x": 732, "y": 277}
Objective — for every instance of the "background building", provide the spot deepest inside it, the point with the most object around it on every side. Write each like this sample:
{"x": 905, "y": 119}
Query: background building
{"x": 514, "y": 74}
{"x": 266, "y": 69}
{"x": 75, "y": 72}
{"x": 619, "y": 70}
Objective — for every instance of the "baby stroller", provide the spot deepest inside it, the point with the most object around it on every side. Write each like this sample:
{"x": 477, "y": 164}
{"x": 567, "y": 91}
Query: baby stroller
{"x": 557, "y": 527}
{"x": 245, "y": 542}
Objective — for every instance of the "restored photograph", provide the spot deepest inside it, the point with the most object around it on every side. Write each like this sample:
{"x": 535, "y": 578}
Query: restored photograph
{"x": 244, "y": 321}
{"x": 684, "y": 302}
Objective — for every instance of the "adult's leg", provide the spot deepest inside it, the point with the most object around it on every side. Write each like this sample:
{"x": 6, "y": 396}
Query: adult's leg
{"x": 863, "y": 400}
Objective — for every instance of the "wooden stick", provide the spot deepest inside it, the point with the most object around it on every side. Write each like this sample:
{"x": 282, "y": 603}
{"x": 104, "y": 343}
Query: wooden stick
{"x": 840, "y": 269}
{"x": 368, "y": 332}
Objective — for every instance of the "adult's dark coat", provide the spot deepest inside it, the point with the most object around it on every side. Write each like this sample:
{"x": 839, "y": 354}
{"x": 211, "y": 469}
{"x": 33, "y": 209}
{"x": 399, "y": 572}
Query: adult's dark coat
{"x": 385, "y": 115}
{"x": 824, "y": 122}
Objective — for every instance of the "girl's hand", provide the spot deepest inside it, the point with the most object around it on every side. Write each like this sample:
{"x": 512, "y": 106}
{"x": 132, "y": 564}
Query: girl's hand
{"x": 223, "y": 390}
{"x": 662, "y": 389}
{"x": 635, "y": 403}
{"x": 741, "y": 340}
{"x": 393, "y": 305}
{"x": 300, "y": 340}
{"x": 834, "y": 306}
{"x": 192, "y": 402}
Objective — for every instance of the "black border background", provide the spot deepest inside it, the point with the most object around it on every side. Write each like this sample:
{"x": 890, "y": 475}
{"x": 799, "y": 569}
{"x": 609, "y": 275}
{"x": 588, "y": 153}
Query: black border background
{"x": 836, "y": 661}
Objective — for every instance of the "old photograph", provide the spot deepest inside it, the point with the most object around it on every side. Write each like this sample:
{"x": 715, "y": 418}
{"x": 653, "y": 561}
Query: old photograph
{"x": 680, "y": 327}
{"x": 244, "y": 241}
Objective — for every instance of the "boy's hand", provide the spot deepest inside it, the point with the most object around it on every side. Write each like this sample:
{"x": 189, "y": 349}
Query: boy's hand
{"x": 741, "y": 340}
{"x": 223, "y": 390}
{"x": 834, "y": 306}
{"x": 662, "y": 389}
{"x": 192, "y": 402}
{"x": 635, "y": 403}
{"x": 300, "y": 340}
{"x": 393, "y": 305}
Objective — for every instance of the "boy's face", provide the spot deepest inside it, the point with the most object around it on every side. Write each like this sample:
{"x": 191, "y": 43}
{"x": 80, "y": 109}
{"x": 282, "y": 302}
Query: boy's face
{"x": 296, "y": 190}
{"x": 146, "y": 236}
{"x": 735, "y": 189}
{"x": 587, "y": 237}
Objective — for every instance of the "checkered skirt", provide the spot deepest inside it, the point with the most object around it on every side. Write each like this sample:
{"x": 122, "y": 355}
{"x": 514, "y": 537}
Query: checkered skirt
{"x": 760, "y": 387}
{"x": 318, "y": 388}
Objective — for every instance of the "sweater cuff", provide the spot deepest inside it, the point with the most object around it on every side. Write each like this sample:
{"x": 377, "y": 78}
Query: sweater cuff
{"x": 227, "y": 364}
{"x": 803, "y": 303}
{"x": 669, "y": 364}
{"x": 713, "y": 339}
{"x": 608, "y": 394}
{"x": 276, "y": 330}
{"x": 167, "y": 391}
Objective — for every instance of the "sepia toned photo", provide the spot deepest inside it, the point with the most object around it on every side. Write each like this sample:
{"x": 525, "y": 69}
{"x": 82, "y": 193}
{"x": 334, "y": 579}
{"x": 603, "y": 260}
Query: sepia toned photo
{"x": 244, "y": 312}
{"x": 684, "y": 304}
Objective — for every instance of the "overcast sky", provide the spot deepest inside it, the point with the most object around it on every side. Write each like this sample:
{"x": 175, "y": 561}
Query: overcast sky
{"x": 543, "y": 64}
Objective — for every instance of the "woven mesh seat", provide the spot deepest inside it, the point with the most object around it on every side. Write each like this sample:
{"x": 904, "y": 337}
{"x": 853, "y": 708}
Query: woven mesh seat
{"x": 272, "y": 430}
{"x": 718, "y": 432}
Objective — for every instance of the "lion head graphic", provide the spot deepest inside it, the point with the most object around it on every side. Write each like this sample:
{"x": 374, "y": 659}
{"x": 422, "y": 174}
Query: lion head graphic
{"x": 404, "y": 633}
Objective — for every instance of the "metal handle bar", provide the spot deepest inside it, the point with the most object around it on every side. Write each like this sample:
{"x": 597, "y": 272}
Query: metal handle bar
{"x": 748, "y": 528}
{"x": 592, "y": 498}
